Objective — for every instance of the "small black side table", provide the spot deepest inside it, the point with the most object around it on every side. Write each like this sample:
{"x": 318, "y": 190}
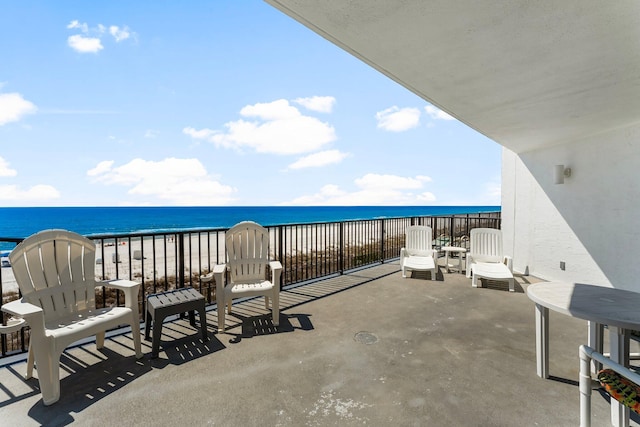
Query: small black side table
{"x": 164, "y": 304}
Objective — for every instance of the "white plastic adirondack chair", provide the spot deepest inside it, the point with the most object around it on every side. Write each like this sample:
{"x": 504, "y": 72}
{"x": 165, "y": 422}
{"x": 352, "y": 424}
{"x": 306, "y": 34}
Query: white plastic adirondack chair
{"x": 418, "y": 253}
{"x": 247, "y": 246}
{"x": 485, "y": 257}
{"x": 55, "y": 271}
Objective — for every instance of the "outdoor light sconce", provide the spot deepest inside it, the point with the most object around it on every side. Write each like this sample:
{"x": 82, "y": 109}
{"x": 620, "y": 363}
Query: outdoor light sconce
{"x": 560, "y": 173}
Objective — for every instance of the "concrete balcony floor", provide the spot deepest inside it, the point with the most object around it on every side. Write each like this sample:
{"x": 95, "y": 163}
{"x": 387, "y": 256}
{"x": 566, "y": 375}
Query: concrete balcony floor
{"x": 365, "y": 348}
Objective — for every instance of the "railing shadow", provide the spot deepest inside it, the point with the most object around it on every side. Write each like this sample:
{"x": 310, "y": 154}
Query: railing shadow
{"x": 263, "y": 325}
{"x": 89, "y": 375}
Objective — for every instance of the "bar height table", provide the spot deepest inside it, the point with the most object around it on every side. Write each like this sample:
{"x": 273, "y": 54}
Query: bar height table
{"x": 599, "y": 305}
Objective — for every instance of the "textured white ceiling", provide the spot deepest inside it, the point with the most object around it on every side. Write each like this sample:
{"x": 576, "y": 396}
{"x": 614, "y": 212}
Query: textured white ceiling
{"x": 527, "y": 74}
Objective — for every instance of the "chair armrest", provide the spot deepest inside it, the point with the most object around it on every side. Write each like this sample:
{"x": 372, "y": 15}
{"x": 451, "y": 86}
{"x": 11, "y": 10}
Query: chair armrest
{"x": 275, "y": 265}
{"x": 469, "y": 261}
{"x": 276, "y": 271}
{"x": 128, "y": 287}
{"x": 403, "y": 255}
{"x": 31, "y": 313}
{"x": 508, "y": 261}
{"x": 119, "y": 284}
{"x": 218, "y": 274}
{"x": 21, "y": 308}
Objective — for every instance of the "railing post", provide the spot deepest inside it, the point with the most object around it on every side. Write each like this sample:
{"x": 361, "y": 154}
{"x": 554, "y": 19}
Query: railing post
{"x": 466, "y": 226}
{"x": 341, "y": 248}
{"x": 280, "y": 253}
{"x": 180, "y": 261}
{"x": 451, "y": 230}
{"x": 382, "y": 240}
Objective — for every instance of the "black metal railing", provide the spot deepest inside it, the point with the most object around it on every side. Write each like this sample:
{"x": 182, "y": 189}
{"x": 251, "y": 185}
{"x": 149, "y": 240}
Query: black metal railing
{"x": 164, "y": 261}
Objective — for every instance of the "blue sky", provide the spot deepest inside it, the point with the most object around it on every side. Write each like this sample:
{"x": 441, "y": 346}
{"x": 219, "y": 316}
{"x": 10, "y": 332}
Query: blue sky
{"x": 214, "y": 103}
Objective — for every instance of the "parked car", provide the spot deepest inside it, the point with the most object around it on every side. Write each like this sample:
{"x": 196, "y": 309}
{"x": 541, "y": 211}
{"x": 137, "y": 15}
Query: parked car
{"x": 4, "y": 259}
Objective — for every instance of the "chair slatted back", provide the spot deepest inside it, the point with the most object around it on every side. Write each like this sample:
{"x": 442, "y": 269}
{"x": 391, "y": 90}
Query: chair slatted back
{"x": 486, "y": 244}
{"x": 55, "y": 269}
{"x": 419, "y": 240}
{"x": 247, "y": 246}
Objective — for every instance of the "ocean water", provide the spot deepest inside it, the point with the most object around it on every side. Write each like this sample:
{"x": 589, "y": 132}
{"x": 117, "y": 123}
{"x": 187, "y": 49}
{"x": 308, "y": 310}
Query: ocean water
{"x": 22, "y": 222}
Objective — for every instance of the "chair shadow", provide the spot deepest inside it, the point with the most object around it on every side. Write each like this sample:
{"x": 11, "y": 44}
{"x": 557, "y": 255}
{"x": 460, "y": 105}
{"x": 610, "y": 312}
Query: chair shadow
{"x": 178, "y": 351}
{"x": 254, "y": 326}
{"x": 426, "y": 275}
{"x": 501, "y": 285}
{"x": 87, "y": 384}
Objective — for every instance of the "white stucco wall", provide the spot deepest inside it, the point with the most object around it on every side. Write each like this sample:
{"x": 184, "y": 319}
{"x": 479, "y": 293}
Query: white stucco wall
{"x": 591, "y": 222}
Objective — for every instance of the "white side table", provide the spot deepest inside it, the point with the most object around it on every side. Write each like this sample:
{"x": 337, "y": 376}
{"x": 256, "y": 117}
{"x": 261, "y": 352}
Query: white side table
{"x": 454, "y": 249}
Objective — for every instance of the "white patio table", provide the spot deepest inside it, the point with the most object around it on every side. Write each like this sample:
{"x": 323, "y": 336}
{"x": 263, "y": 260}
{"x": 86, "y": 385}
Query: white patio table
{"x": 598, "y": 305}
{"x": 453, "y": 249}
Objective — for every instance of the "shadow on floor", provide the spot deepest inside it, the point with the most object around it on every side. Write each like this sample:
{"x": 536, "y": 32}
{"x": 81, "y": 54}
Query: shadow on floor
{"x": 87, "y": 384}
{"x": 263, "y": 325}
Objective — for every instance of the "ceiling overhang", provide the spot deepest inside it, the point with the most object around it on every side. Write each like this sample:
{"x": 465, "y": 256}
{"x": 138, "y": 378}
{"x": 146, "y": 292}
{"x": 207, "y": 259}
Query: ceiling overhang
{"x": 527, "y": 74}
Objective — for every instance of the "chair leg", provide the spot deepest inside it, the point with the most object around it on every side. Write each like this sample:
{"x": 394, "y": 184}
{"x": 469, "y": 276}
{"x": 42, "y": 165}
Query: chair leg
{"x": 229, "y": 307}
{"x": 512, "y": 285}
{"x": 30, "y": 363}
{"x": 221, "y": 305}
{"x": 48, "y": 363}
{"x": 585, "y": 389}
{"x": 156, "y": 334}
{"x": 135, "y": 334}
{"x": 275, "y": 309}
{"x": 203, "y": 323}
{"x": 100, "y": 340}
{"x": 474, "y": 281}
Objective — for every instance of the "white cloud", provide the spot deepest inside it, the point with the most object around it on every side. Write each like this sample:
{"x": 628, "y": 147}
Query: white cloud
{"x": 13, "y": 107}
{"x": 373, "y": 189}
{"x": 199, "y": 134}
{"x": 119, "y": 33}
{"x": 396, "y": 119}
{"x": 321, "y": 104}
{"x": 102, "y": 167}
{"x": 35, "y": 193}
{"x": 75, "y": 24}
{"x": 90, "y": 39}
{"x": 84, "y": 44}
{"x": 5, "y": 170}
{"x": 321, "y": 158}
{"x": 170, "y": 181}
{"x": 13, "y": 193}
{"x": 437, "y": 114}
{"x": 277, "y": 127}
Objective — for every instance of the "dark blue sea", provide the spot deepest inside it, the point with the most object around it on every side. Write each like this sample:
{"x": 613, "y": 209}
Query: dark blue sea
{"x": 22, "y": 222}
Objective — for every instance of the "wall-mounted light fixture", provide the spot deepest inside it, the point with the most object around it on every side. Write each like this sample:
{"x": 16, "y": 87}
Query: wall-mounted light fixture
{"x": 560, "y": 173}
